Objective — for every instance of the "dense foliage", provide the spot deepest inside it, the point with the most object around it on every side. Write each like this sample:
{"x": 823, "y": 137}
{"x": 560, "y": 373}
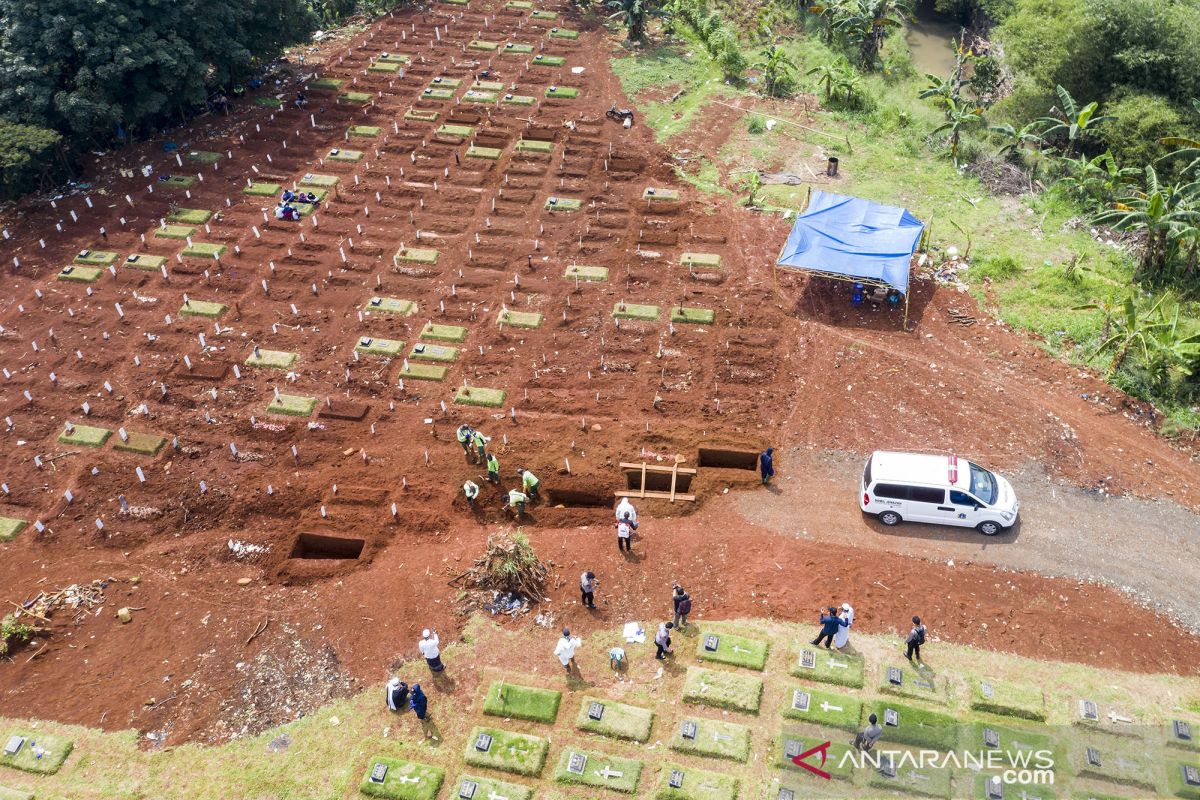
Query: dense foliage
{"x": 30, "y": 157}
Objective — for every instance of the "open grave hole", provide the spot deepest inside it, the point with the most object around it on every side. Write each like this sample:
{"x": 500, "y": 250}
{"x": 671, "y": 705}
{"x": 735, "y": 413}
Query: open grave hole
{"x": 720, "y": 458}
{"x": 319, "y": 546}
{"x": 579, "y": 498}
{"x": 657, "y": 481}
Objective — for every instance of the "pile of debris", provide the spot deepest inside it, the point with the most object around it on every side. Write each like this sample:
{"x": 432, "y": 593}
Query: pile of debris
{"x": 510, "y": 570}
{"x": 77, "y": 597}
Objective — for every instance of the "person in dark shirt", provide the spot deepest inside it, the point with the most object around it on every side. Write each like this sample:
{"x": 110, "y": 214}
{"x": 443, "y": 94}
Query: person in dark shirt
{"x": 829, "y": 627}
{"x": 766, "y": 465}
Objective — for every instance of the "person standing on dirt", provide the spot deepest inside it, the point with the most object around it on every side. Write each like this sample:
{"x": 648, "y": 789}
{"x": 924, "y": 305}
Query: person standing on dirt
{"x": 529, "y": 482}
{"x": 830, "y": 623}
{"x": 480, "y": 441}
{"x": 682, "y": 602}
{"x": 662, "y": 641}
{"x": 626, "y": 511}
{"x": 430, "y": 650}
{"x": 471, "y": 490}
{"x": 624, "y": 536}
{"x": 587, "y": 589}
{"x": 465, "y": 434}
{"x": 397, "y": 695}
{"x": 766, "y": 465}
{"x": 493, "y": 469}
{"x": 842, "y": 637}
{"x": 565, "y": 650}
{"x": 916, "y": 638}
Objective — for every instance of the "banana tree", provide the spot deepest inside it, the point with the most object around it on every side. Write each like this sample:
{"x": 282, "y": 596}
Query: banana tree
{"x": 633, "y": 14}
{"x": 1134, "y": 330}
{"x": 1070, "y": 120}
{"x": 1158, "y": 210}
{"x": 881, "y": 17}
{"x": 776, "y": 71}
{"x": 958, "y": 119}
{"x": 829, "y": 74}
{"x": 1098, "y": 179}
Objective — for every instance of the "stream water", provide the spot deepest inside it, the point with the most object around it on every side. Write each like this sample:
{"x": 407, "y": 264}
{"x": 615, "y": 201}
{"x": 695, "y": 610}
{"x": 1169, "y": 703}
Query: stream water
{"x": 929, "y": 41}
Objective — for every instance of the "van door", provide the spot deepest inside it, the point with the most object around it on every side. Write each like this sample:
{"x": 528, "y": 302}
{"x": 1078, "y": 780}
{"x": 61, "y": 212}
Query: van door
{"x": 967, "y": 511}
{"x": 924, "y": 502}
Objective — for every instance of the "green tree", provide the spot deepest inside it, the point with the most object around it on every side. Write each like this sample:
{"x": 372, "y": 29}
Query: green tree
{"x": 1014, "y": 140}
{"x": 959, "y": 118}
{"x": 633, "y": 14}
{"x": 776, "y": 72}
{"x": 1157, "y": 210}
{"x": 1070, "y": 120}
{"x": 881, "y": 17}
{"x": 1136, "y": 126}
{"x": 1096, "y": 181}
{"x": 829, "y": 74}
{"x": 30, "y": 158}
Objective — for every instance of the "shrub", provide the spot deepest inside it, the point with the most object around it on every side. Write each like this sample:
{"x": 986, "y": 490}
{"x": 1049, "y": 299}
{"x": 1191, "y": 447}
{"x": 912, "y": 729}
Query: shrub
{"x": 755, "y": 124}
{"x": 30, "y": 158}
{"x": 1138, "y": 121}
{"x": 13, "y": 632}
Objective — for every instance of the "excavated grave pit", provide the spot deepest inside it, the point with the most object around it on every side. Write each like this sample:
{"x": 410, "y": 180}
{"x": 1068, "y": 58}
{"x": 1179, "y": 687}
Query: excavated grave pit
{"x": 719, "y": 458}
{"x": 318, "y": 546}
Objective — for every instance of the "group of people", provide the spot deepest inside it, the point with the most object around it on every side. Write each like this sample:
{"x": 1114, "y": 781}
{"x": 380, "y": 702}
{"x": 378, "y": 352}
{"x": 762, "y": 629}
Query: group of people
{"x": 835, "y": 627}
{"x": 474, "y": 444}
{"x": 285, "y": 210}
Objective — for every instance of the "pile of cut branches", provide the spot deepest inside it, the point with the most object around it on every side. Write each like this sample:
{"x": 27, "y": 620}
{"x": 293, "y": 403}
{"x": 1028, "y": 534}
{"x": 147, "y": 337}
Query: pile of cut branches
{"x": 510, "y": 565}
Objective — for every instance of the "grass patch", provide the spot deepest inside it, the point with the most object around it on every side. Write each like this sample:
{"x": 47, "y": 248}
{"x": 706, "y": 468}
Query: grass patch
{"x": 562, "y": 92}
{"x": 693, "y": 316}
{"x": 444, "y": 333}
{"x": 600, "y": 770}
{"x": 488, "y": 86}
{"x": 534, "y": 146}
{"x": 326, "y": 84}
{"x": 617, "y": 720}
{"x": 190, "y": 216}
{"x": 371, "y": 346}
{"x": 737, "y": 651}
{"x": 145, "y": 262}
{"x": 420, "y": 116}
{"x": 434, "y": 352}
{"x": 85, "y": 436}
{"x": 517, "y": 753}
{"x": 517, "y": 49}
{"x": 582, "y": 273}
{"x": 654, "y": 194}
{"x": 479, "y": 396}
{"x": 349, "y": 156}
{"x": 1176, "y": 783}
{"x": 519, "y": 99}
{"x": 312, "y": 180}
{"x": 542, "y": 60}
{"x": 623, "y": 310}
{"x": 202, "y": 308}
{"x": 519, "y": 5}
{"x": 458, "y": 131}
{"x": 1116, "y": 765}
{"x": 178, "y": 181}
{"x": 563, "y": 33}
{"x": 438, "y": 94}
{"x": 789, "y": 745}
{"x": 1008, "y": 699}
{"x": 521, "y": 702}
{"x": 394, "y": 58}
{"x": 713, "y": 738}
{"x": 262, "y": 189}
{"x": 563, "y": 204}
{"x": 489, "y": 787}
{"x": 96, "y": 258}
{"x": 80, "y": 274}
{"x": 726, "y": 690}
{"x": 985, "y": 736}
{"x": 915, "y": 683}
{"x": 203, "y": 156}
{"x": 423, "y": 372}
{"x": 544, "y": 15}
{"x": 416, "y": 255}
{"x": 479, "y": 97}
{"x": 490, "y": 153}
{"x": 824, "y": 666}
{"x": 271, "y": 359}
{"x": 384, "y": 66}
{"x": 428, "y": 780}
{"x": 912, "y": 780}
{"x": 173, "y": 231}
{"x": 445, "y": 83}
{"x": 390, "y": 305}
{"x": 1172, "y": 738}
{"x": 915, "y": 726}
{"x": 43, "y": 753}
{"x": 144, "y": 444}
{"x": 705, "y": 260}
{"x": 519, "y": 319}
{"x": 479, "y": 44}
{"x": 204, "y": 250}
{"x": 365, "y": 131}
{"x": 293, "y": 405}
{"x": 268, "y": 102}
{"x": 695, "y": 784}
{"x": 822, "y": 708}
{"x": 10, "y": 527}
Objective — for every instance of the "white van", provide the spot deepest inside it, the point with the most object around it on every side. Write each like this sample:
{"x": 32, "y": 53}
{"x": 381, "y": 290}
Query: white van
{"x": 943, "y": 490}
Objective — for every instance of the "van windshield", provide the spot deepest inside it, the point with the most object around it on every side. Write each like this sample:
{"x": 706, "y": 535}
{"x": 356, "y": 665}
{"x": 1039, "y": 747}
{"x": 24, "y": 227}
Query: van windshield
{"x": 983, "y": 484}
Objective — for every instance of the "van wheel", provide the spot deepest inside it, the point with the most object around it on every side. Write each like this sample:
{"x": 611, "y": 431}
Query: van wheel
{"x": 989, "y": 528}
{"x": 889, "y": 518}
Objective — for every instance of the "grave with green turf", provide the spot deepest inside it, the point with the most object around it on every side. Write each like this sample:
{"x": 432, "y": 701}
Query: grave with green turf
{"x": 373, "y": 346}
{"x": 919, "y": 683}
{"x": 421, "y": 116}
{"x": 325, "y": 84}
{"x": 173, "y": 231}
{"x": 542, "y": 60}
{"x": 478, "y": 96}
{"x": 479, "y": 396}
{"x": 201, "y": 308}
{"x": 562, "y": 92}
{"x": 543, "y": 14}
{"x": 907, "y": 778}
{"x": 701, "y": 260}
{"x": 988, "y": 786}
{"x": 77, "y": 274}
{"x": 1183, "y": 734}
{"x": 1183, "y": 778}
{"x": 518, "y": 753}
{"x": 390, "y": 305}
{"x": 292, "y": 405}
{"x": 534, "y": 146}
{"x": 488, "y": 153}
{"x": 681, "y": 782}
{"x": 416, "y": 255}
{"x": 701, "y": 736}
{"x": 444, "y": 333}
{"x": 144, "y": 444}
{"x": 518, "y": 100}
{"x": 907, "y": 724}
{"x": 422, "y": 351}
{"x": 383, "y": 66}
{"x": 455, "y": 130}
{"x": 271, "y": 359}
{"x": 719, "y": 646}
{"x": 10, "y": 527}
{"x": 638, "y": 311}
{"x": 618, "y": 720}
{"x": 313, "y": 180}
{"x": 84, "y": 435}
{"x": 581, "y": 767}
{"x": 204, "y": 250}
{"x": 422, "y": 372}
{"x": 563, "y": 33}
{"x": 488, "y": 86}
{"x": 437, "y": 94}
{"x": 521, "y": 702}
{"x": 178, "y": 181}
{"x": 792, "y": 744}
{"x": 563, "y": 204}
{"x": 349, "y": 156}
{"x": 190, "y": 216}
{"x": 721, "y": 689}
{"x": 145, "y": 262}
{"x": 817, "y": 707}
{"x": 654, "y": 194}
{"x": 479, "y": 44}
{"x": 519, "y": 5}
{"x": 477, "y": 786}
{"x": 518, "y": 319}
{"x": 203, "y": 156}
{"x": 41, "y": 753}
{"x": 262, "y": 189}
{"x": 268, "y": 102}
{"x": 96, "y": 258}
{"x": 1007, "y": 698}
{"x": 1124, "y": 760}
{"x": 517, "y": 48}
{"x": 1012, "y": 742}
{"x": 582, "y": 273}
{"x": 692, "y": 316}
{"x": 394, "y": 58}
{"x": 364, "y": 131}
{"x": 401, "y": 780}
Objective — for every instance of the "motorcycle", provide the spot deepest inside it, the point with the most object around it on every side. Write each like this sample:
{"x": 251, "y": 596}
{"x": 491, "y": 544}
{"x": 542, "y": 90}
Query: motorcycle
{"x": 624, "y": 115}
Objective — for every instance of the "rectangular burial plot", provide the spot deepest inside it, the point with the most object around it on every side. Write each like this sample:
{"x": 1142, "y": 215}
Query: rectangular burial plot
{"x": 395, "y": 779}
{"x": 601, "y": 770}
{"x": 190, "y": 216}
{"x": 144, "y": 262}
{"x": 685, "y": 783}
{"x": 293, "y": 405}
{"x": 563, "y": 33}
{"x": 364, "y": 131}
{"x": 10, "y": 527}
{"x": 909, "y": 681}
{"x": 521, "y": 702}
{"x": 692, "y": 316}
{"x": 437, "y": 94}
{"x": 445, "y": 83}
{"x": 519, "y": 5}
{"x": 1012, "y": 743}
{"x": 77, "y": 274}
{"x": 824, "y": 666}
{"x": 1183, "y": 779}
{"x": 394, "y": 58}
{"x": 390, "y": 305}
{"x": 271, "y": 359}
{"x": 173, "y": 231}
{"x": 721, "y": 458}
{"x": 618, "y": 720}
{"x": 544, "y": 15}
{"x": 262, "y": 189}
{"x": 518, "y": 753}
{"x": 898, "y": 775}
{"x": 344, "y": 409}
{"x": 320, "y": 546}
{"x": 202, "y": 308}
{"x": 563, "y": 204}
{"x": 371, "y": 346}
{"x": 204, "y": 250}
{"x": 203, "y": 156}
{"x": 1183, "y": 734}
{"x": 726, "y": 690}
{"x": 919, "y": 727}
{"x": 519, "y": 100}
{"x": 178, "y": 181}
{"x": 356, "y": 98}
{"x": 416, "y": 255}
{"x": 312, "y": 180}
{"x": 790, "y": 745}
{"x": 562, "y": 92}
{"x": 457, "y": 131}
{"x": 810, "y": 705}
{"x": 1103, "y": 760}
{"x": 444, "y": 333}
{"x": 519, "y": 319}
{"x": 96, "y": 258}
{"x": 534, "y": 146}
{"x": 727, "y": 648}
{"x": 268, "y": 102}
{"x": 994, "y": 787}
{"x": 711, "y": 737}
{"x": 479, "y": 396}
{"x": 433, "y": 352}
{"x": 582, "y": 273}
{"x": 325, "y": 84}
{"x": 423, "y": 372}
{"x": 488, "y": 86}
{"x": 349, "y": 156}
{"x": 420, "y": 116}
{"x": 702, "y": 260}
{"x": 41, "y": 753}
{"x": 479, "y": 44}
{"x": 84, "y": 436}
{"x": 518, "y": 49}
{"x": 475, "y": 787}
{"x": 145, "y": 444}
{"x": 479, "y": 97}
{"x": 654, "y": 194}
{"x": 1008, "y": 699}
{"x": 489, "y": 153}
{"x": 384, "y": 66}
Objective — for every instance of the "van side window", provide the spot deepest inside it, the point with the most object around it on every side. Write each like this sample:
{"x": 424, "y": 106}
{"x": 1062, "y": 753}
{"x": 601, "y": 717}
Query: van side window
{"x": 891, "y": 491}
{"x": 922, "y": 494}
{"x": 962, "y": 499}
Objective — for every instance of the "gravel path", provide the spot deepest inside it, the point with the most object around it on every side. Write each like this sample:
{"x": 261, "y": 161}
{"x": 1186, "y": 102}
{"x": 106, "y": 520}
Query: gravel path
{"x": 1150, "y": 550}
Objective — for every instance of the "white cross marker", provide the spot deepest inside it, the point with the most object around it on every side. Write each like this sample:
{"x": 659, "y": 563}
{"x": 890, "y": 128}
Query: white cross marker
{"x": 609, "y": 772}
{"x": 827, "y": 708}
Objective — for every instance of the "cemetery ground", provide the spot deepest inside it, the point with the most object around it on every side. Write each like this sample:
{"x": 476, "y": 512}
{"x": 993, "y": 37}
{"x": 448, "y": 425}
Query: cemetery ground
{"x": 330, "y": 752}
{"x": 261, "y": 458}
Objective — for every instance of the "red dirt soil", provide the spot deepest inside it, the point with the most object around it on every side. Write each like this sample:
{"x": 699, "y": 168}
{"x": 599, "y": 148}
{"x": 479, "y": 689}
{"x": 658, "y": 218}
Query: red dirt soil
{"x": 782, "y": 364}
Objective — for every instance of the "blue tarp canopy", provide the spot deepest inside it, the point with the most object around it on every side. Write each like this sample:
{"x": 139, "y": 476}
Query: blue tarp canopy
{"x": 857, "y": 239}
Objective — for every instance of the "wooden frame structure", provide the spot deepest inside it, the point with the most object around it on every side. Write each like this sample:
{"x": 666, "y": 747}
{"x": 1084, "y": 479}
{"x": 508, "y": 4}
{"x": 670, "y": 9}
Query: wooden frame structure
{"x": 643, "y": 468}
